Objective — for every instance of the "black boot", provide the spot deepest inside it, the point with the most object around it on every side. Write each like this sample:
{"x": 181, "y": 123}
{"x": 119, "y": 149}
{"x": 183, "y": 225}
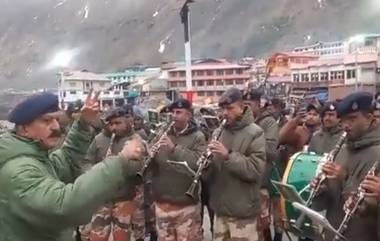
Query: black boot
{"x": 277, "y": 237}
{"x": 153, "y": 236}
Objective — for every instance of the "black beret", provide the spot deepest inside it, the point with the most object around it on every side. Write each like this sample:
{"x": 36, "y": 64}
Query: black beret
{"x": 328, "y": 106}
{"x": 230, "y": 96}
{"x": 359, "y": 101}
{"x": 32, "y": 107}
{"x": 180, "y": 104}
{"x": 253, "y": 95}
{"x": 118, "y": 112}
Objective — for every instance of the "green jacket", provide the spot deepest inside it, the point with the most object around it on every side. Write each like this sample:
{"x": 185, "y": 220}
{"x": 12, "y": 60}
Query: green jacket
{"x": 356, "y": 158}
{"x": 271, "y": 132}
{"x": 97, "y": 153}
{"x": 324, "y": 140}
{"x": 170, "y": 181}
{"x": 235, "y": 183}
{"x": 43, "y": 196}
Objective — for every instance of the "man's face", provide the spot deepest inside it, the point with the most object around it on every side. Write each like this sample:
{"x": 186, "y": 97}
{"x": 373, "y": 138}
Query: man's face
{"x": 254, "y": 105}
{"x": 120, "y": 125}
{"x": 330, "y": 119}
{"x": 181, "y": 117}
{"x": 232, "y": 111}
{"x": 45, "y": 129}
{"x": 312, "y": 118}
{"x": 356, "y": 124}
{"x": 138, "y": 122}
{"x": 376, "y": 114}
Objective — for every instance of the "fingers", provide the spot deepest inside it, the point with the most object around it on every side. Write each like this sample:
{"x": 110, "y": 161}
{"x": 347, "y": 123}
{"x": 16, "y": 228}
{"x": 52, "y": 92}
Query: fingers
{"x": 372, "y": 178}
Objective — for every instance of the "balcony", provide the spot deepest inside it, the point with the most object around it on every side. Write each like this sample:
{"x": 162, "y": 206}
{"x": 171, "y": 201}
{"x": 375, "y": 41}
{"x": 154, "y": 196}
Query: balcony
{"x": 308, "y": 85}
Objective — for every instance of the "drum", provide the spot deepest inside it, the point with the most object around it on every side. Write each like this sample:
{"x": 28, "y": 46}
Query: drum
{"x": 299, "y": 172}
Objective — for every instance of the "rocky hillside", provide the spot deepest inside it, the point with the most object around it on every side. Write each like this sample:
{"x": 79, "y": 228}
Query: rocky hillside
{"x": 111, "y": 34}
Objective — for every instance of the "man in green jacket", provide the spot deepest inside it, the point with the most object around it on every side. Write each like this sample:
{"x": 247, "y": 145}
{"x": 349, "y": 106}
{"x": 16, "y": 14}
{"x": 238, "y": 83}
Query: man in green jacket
{"x": 236, "y": 171}
{"x": 324, "y": 139}
{"x": 269, "y": 199}
{"x": 43, "y": 195}
{"x": 345, "y": 175}
{"x": 178, "y": 216}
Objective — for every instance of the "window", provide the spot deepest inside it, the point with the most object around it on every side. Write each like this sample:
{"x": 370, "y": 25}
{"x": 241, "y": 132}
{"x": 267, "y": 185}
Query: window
{"x": 239, "y": 82}
{"x": 73, "y": 92}
{"x": 173, "y": 84}
{"x": 351, "y": 73}
{"x": 340, "y": 74}
{"x": 229, "y": 82}
{"x": 182, "y": 73}
{"x": 219, "y": 72}
{"x": 173, "y": 74}
{"x": 87, "y": 85}
{"x": 194, "y": 83}
{"x": 200, "y": 73}
{"x": 219, "y": 82}
{"x": 314, "y": 77}
{"x": 296, "y": 77}
{"x": 101, "y": 84}
{"x": 239, "y": 71}
{"x": 219, "y": 93}
{"x": 200, "y": 83}
{"x": 73, "y": 84}
{"x": 201, "y": 93}
{"x": 229, "y": 72}
{"x": 305, "y": 77}
{"x": 210, "y": 93}
{"x": 334, "y": 75}
{"x": 106, "y": 92}
{"x": 117, "y": 92}
{"x": 209, "y": 72}
{"x": 324, "y": 76}
{"x": 210, "y": 82}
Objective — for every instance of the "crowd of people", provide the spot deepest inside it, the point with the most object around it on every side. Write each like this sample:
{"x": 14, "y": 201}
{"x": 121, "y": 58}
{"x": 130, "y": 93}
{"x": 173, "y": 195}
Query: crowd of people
{"x": 81, "y": 179}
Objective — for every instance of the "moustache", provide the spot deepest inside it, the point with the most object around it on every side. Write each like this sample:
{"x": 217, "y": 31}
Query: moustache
{"x": 55, "y": 133}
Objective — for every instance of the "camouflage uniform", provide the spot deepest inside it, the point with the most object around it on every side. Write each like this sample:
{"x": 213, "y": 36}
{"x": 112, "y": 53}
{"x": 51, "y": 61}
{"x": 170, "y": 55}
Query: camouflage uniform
{"x": 125, "y": 215}
{"x": 229, "y": 228}
{"x": 180, "y": 223}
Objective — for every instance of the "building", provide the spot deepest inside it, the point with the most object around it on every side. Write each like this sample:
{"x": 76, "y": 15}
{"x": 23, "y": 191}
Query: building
{"x": 323, "y": 49}
{"x": 75, "y": 85}
{"x": 132, "y": 74}
{"x": 336, "y": 77}
{"x": 210, "y": 78}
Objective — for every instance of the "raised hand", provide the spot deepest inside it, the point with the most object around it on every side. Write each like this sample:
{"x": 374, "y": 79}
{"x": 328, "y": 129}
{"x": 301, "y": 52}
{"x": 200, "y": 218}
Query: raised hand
{"x": 90, "y": 109}
{"x": 133, "y": 150}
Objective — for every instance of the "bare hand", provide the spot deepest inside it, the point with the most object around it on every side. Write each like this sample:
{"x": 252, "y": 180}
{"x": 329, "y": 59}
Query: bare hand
{"x": 371, "y": 186}
{"x": 218, "y": 149}
{"x": 166, "y": 142}
{"x": 90, "y": 109}
{"x": 333, "y": 170}
{"x": 133, "y": 150}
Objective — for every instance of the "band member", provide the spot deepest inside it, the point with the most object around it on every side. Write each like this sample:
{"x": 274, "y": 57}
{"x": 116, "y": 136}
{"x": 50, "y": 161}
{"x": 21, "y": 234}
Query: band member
{"x": 276, "y": 107}
{"x": 44, "y": 196}
{"x": 125, "y": 214}
{"x": 352, "y": 164}
{"x": 267, "y": 122}
{"x": 178, "y": 216}
{"x": 236, "y": 170}
{"x": 324, "y": 140}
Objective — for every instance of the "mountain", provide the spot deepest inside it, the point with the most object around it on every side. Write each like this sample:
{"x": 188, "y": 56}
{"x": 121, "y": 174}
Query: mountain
{"x": 109, "y": 35}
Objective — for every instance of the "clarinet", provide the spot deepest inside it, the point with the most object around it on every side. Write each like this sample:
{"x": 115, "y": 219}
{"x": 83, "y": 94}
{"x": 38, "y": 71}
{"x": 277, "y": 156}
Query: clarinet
{"x": 154, "y": 149}
{"x": 203, "y": 161}
{"x": 109, "y": 150}
{"x": 353, "y": 203}
{"x": 321, "y": 177}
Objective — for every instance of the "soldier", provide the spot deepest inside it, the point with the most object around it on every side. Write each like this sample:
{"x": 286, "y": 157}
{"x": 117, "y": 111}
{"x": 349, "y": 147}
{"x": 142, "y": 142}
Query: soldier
{"x": 352, "y": 164}
{"x": 277, "y": 108}
{"x": 325, "y": 139}
{"x": 236, "y": 171}
{"x": 267, "y": 122}
{"x": 177, "y": 215}
{"x": 125, "y": 214}
{"x": 43, "y": 195}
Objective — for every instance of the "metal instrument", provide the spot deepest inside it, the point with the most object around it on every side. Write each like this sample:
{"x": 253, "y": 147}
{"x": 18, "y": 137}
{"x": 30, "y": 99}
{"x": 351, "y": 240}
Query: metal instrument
{"x": 153, "y": 148}
{"x": 353, "y": 203}
{"x": 203, "y": 162}
{"x": 109, "y": 150}
{"x": 321, "y": 177}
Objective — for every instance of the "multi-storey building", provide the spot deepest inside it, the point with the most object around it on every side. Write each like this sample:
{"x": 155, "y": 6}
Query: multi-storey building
{"x": 210, "y": 78}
